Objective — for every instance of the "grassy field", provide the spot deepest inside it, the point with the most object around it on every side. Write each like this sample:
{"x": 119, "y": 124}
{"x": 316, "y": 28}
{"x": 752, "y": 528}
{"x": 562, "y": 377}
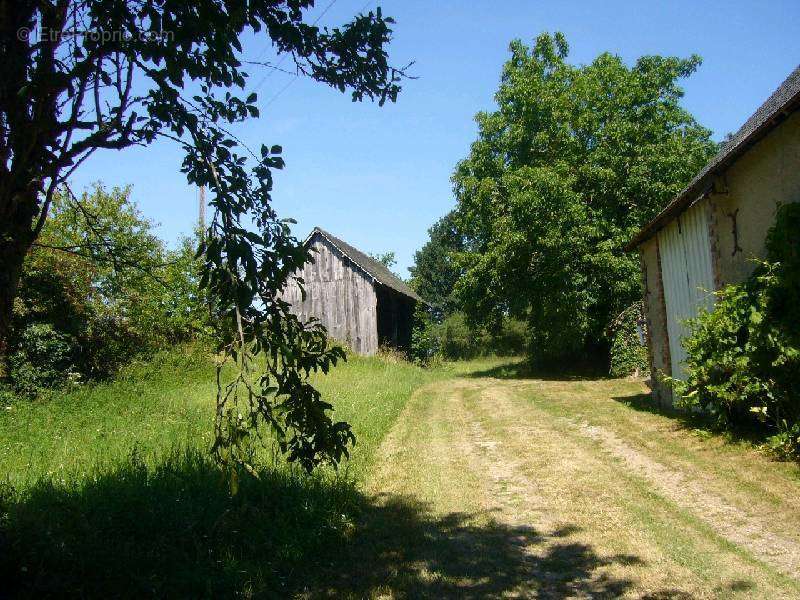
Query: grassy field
{"x": 109, "y": 490}
{"x": 468, "y": 481}
{"x": 157, "y": 408}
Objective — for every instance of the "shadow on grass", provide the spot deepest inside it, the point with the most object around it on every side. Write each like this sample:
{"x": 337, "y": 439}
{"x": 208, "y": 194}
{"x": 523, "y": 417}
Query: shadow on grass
{"x": 523, "y": 369}
{"x": 174, "y": 531}
{"x": 405, "y": 550}
{"x": 748, "y": 431}
{"x": 646, "y": 403}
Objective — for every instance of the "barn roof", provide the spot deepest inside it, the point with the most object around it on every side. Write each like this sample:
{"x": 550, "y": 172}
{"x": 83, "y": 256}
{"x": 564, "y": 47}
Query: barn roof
{"x": 777, "y": 107}
{"x": 374, "y": 269}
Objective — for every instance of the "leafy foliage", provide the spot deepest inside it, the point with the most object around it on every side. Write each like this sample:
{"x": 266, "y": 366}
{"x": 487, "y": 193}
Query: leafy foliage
{"x": 98, "y": 289}
{"x": 423, "y": 345}
{"x": 43, "y": 358}
{"x": 457, "y": 339}
{"x": 387, "y": 259}
{"x": 442, "y": 329}
{"x": 628, "y": 354}
{"x": 453, "y": 338}
{"x": 573, "y": 162}
{"x": 67, "y": 96}
{"x": 783, "y": 247}
{"x": 435, "y": 271}
{"x": 743, "y": 363}
{"x": 272, "y": 352}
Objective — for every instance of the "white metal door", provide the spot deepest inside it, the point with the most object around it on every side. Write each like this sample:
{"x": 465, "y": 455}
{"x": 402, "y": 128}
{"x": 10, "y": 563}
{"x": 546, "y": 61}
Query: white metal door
{"x": 687, "y": 276}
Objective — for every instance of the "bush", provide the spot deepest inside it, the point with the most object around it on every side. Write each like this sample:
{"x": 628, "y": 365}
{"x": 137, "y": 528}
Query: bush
{"x": 511, "y": 339}
{"x": 44, "y": 358}
{"x": 454, "y": 339}
{"x": 743, "y": 364}
{"x": 98, "y": 289}
{"x": 628, "y": 354}
{"x": 423, "y": 343}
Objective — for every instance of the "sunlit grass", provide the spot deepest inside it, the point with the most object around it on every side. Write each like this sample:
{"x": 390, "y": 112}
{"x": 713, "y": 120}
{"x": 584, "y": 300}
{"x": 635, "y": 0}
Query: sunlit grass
{"x": 167, "y": 405}
{"x": 110, "y": 488}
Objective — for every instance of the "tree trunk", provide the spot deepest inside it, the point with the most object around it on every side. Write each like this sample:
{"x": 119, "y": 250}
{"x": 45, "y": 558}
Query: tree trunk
{"x": 16, "y": 238}
{"x": 12, "y": 255}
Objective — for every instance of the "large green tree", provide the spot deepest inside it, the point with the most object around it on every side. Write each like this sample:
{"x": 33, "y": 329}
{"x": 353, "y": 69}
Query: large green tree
{"x": 574, "y": 160}
{"x": 81, "y": 76}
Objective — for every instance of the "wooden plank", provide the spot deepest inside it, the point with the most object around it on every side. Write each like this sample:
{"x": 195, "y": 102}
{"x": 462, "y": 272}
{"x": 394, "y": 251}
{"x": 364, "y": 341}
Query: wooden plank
{"x": 339, "y": 295}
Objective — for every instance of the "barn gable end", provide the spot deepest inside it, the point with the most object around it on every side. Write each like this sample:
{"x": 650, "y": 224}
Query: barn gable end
{"x": 358, "y": 300}
{"x": 339, "y": 295}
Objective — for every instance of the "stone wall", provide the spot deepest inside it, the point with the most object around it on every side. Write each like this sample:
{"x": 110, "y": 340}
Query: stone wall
{"x": 746, "y": 198}
{"x": 656, "y": 317}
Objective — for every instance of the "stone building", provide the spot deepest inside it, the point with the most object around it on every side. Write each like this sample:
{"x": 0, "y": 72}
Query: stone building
{"x": 708, "y": 236}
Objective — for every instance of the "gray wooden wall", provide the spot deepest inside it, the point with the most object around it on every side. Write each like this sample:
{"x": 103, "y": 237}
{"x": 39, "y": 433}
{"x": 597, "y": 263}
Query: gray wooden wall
{"x": 340, "y": 295}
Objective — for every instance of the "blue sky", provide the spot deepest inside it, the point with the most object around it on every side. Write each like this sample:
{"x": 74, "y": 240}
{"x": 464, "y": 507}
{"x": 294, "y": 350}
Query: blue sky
{"x": 379, "y": 177}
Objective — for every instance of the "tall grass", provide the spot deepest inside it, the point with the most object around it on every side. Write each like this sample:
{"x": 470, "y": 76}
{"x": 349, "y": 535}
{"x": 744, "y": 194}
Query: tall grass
{"x": 109, "y": 490}
{"x": 151, "y": 407}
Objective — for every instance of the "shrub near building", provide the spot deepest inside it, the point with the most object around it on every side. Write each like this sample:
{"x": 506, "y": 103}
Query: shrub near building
{"x": 743, "y": 359}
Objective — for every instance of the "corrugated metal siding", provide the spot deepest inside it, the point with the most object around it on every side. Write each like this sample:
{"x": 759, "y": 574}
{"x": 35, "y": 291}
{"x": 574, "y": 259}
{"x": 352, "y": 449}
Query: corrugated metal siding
{"x": 673, "y": 276}
{"x": 687, "y": 274}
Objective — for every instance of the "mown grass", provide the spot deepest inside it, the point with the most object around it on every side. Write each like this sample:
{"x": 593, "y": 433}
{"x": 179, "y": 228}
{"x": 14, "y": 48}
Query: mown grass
{"x": 487, "y": 487}
{"x": 109, "y": 490}
{"x": 524, "y": 500}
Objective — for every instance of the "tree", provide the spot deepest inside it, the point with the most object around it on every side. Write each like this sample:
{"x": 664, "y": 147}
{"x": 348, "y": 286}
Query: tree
{"x": 106, "y": 286}
{"x": 573, "y": 162}
{"x": 436, "y": 271}
{"x": 387, "y": 259}
{"x": 80, "y": 76}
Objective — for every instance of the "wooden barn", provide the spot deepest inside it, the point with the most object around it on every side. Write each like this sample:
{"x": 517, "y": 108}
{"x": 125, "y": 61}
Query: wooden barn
{"x": 361, "y": 302}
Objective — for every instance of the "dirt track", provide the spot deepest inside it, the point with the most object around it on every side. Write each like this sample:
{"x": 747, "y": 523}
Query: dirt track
{"x": 557, "y": 489}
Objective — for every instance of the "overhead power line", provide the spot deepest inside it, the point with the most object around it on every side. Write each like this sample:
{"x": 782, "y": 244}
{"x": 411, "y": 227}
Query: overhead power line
{"x": 283, "y": 58}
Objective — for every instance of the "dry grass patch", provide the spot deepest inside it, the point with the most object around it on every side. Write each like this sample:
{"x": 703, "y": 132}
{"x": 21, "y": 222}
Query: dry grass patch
{"x": 497, "y": 487}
